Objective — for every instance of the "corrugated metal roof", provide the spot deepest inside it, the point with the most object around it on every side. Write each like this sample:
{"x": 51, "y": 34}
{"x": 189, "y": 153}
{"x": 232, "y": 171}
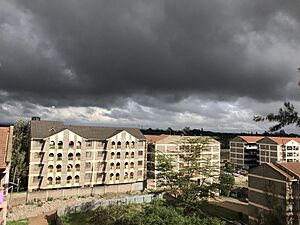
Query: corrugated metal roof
{"x": 42, "y": 129}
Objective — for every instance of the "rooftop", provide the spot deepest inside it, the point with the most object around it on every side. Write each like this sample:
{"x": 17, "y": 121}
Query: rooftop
{"x": 41, "y": 129}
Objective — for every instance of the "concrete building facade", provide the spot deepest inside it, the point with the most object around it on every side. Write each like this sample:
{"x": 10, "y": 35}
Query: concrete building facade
{"x": 244, "y": 151}
{"x": 279, "y": 149}
{"x": 176, "y": 147}
{"x": 65, "y": 156}
{"x": 274, "y": 194}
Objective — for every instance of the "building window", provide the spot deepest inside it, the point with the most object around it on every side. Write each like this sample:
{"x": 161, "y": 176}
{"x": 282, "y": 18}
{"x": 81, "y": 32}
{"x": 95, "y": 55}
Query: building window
{"x": 50, "y": 180}
{"x": 71, "y": 144}
{"x": 77, "y": 156}
{"x": 119, "y": 144}
{"x": 99, "y": 175}
{"x": 111, "y": 176}
{"x": 88, "y": 154}
{"x": 118, "y": 166}
{"x": 69, "y": 179}
{"x": 118, "y": 155}
{"x": 140, "y": 152}
{"x": 127, "y": 155}
{"x": 50, "y": 169}
{"x": 131, "y": 175}
{"x": 88, "y": 165}
{"x": 112, "y": 166}
{"x": 125, "y": 176}
{"x": 88, "y": 176}
{"x": 70, "y": 156}
{"x": 127, "y": 144}
{"x": 69, "y": 168}
{"x": 140, "y": 173}
{"x": 88, "y": 144}
{"x": 117, "y": 176}
{"x": 77, "y": 167}
{"x": 78, "y": 145}
{"x": 99, "y": 154}
{"x": 140, "y": 163}
{"x": 132, "y": 165}
{"x": 76, "y": 179}
{"x": 59, "y": 157}
{"x": 58, "y": 168}
{"x": 52, "y": 144}
{"x": 57, "y": 180}
{"x": 60, "y": 145}
{"x": 126, "y": 165}
{"x": 132, "y": 155}
{"x": 113, "y": 144}
{"x": 38, "y": 155}
{"x": 112, "y": 155}
{"x": 51, "y": 156}
{"x": 132, "y": 144}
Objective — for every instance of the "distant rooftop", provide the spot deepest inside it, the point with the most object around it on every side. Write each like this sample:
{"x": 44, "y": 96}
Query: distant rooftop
{"x": 173, "y": 139}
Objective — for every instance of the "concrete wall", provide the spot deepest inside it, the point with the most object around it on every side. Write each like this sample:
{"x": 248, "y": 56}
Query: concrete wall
{"x": 44, "y": 195}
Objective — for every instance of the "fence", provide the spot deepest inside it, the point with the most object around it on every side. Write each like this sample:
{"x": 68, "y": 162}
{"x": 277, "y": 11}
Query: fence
{"x": 44, "y": 195}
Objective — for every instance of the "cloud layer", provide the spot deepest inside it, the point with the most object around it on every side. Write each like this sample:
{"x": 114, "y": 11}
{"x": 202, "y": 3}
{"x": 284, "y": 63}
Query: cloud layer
{"x": 153, "y": 62}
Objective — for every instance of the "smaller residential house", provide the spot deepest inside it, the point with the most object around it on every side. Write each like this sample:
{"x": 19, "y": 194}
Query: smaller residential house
{"x": 6, "y": 136}
{"x": 274, "y": 194}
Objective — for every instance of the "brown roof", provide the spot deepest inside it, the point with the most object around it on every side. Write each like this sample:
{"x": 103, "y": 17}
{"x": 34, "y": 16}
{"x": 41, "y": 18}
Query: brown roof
{"x": 154, "y": 138}
{"x": 284, "y": 140}
{"x": 291, "y": 167}
{"x": 42, "y": 129}
{"x": 5, "y": 145}
{"x": 251, "y": 139}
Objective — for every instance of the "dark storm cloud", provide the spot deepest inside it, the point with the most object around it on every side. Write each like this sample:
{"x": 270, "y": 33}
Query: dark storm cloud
{"x": 86, "y": 53}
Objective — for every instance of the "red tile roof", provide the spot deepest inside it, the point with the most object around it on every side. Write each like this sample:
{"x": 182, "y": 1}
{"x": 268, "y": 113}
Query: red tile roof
{"x": 251, "y": 139}
{"x": 284, "y": 140}
{"x": 4, "y": 143}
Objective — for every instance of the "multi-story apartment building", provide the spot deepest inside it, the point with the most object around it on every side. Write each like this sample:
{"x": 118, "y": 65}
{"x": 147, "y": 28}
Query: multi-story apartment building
{"x": 279, "y": 149}
{"x": 64, "y": 156}
{"x": 6, "y": 137}
{"x": 177, "y": 147}
{"x": 244, "y": 151}
{"x": 274, "y": 194}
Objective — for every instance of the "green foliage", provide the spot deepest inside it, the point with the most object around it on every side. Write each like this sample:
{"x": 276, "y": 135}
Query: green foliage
{"x": 192, "y": 182}
{"x": 226, "y": 183}
{"x": 286, "y": 116}
{"x": 21, "y": 222}
{"x": 19, "y": 166}
{"x": 156, "y": 213}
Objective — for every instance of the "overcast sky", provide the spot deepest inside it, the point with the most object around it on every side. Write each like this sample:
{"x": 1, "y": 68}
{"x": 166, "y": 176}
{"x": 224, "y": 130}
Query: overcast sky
{"x": 165, "y": 63}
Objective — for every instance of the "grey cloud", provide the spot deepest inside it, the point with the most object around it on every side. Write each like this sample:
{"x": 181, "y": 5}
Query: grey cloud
{"x": 102, "y": 52}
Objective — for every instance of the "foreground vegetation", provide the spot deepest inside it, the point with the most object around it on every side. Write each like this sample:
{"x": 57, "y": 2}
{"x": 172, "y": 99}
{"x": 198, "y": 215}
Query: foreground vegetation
{"x": 158, "y": 213}
{"x": 20, "y": 222}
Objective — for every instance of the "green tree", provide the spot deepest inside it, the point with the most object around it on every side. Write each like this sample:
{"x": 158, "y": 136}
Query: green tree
{"x": 193, "y": 181}
{"x": 226, "y": 183}
{"x": 286, "y": 115}
{"x": 19, "y": 166}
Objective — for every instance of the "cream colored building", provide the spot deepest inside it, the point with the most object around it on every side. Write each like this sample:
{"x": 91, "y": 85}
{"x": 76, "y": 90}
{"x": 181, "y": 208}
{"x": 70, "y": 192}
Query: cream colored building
{"x": 65, "y": 156}
{"x": 177, "y": 147}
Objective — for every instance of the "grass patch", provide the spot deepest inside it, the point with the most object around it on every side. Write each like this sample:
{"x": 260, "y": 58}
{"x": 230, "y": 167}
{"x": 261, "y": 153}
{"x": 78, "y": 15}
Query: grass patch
{"x": 219, "y": 211}
{"x": 20, "y": 222}
{"x": 76, "y": 218}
